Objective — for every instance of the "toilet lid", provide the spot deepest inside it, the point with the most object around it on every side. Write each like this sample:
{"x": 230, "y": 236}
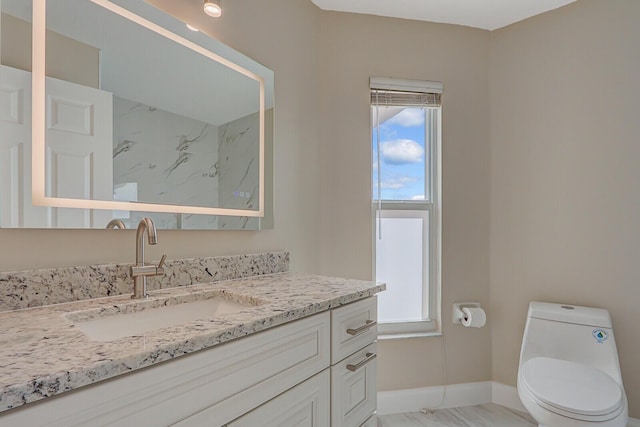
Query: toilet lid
{"x": 571, "y": 386}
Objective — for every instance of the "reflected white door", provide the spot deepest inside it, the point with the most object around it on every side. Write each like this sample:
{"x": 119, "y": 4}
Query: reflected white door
{"x": 79, "y": 152}
{"x": 79, "y": 147}
{"x": 15, "y": 149}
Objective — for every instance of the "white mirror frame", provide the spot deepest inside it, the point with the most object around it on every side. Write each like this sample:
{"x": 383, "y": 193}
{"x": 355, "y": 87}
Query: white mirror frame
{"x": 39, "y": 197}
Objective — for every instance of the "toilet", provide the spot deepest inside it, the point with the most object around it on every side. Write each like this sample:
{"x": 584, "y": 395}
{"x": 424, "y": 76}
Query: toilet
{"x": 569, "y": 374}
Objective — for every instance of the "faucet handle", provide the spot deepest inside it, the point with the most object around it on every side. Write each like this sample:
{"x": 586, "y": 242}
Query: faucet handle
{"x": 159, "y": 269}
{"x": 161, "y": 263}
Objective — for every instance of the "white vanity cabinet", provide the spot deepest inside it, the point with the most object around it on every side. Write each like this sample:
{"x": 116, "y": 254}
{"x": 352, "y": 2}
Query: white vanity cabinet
{"x": 342, "y": 396}
{"x": 372, "y": 421}
{"x": 305, "y": 405}
{"x": 353, "y": 364}
{"x": 210, "y": 387}
{"x": 283, "y": 376}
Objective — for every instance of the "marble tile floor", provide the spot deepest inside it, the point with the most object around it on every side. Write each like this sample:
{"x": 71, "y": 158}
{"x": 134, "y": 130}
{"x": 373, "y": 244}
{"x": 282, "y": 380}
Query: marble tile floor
{"x": 489, "y": 415}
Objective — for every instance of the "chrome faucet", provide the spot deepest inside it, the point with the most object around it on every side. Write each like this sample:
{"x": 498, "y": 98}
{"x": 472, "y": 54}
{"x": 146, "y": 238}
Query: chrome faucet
{"x": 140, "y": 271}
{"x": 116, "y": 223}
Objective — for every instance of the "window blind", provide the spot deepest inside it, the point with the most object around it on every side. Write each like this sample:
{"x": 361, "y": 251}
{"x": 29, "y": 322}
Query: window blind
{"x": 391, "y": 98}
{"x": 407, "y": 93}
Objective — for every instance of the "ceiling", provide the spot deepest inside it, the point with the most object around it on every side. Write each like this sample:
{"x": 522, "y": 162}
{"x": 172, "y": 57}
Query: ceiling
{"x": 485, "y": 14}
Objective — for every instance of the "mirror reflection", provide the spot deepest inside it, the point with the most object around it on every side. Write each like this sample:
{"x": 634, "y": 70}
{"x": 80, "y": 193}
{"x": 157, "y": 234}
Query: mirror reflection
{"x": 133, "y": 116}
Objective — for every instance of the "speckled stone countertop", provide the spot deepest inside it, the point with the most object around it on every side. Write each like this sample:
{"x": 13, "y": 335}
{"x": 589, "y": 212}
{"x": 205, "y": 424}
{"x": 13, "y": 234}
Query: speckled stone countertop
{"x": 43, "y": 353}
{"x": 35, "y": 288}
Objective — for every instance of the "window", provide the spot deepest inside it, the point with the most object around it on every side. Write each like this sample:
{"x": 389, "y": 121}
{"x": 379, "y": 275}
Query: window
{"x": 405, "y": 117}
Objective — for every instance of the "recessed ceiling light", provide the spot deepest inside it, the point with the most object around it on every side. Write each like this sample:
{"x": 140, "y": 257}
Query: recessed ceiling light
{"x": 212, "y": 8}
{"x": 192, "y": 28}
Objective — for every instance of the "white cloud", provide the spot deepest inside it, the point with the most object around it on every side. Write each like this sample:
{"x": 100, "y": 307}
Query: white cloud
{"x": 401, "y": 151}
{"x": 408, "y": 117}
{"x": 397, "y": 182}
{"x": 419, "y": 197}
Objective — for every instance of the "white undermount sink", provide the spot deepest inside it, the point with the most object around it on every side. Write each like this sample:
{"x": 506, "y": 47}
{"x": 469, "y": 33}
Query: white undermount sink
{"x": 140, "y": 317}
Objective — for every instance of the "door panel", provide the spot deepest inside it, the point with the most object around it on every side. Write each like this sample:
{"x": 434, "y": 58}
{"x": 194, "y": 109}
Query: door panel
{"x": 79, "y": 162}
{"x": 79, "y": 159}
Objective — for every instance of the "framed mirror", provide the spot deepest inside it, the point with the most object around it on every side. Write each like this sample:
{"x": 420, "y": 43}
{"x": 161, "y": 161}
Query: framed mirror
{"x": 131, "y": 115}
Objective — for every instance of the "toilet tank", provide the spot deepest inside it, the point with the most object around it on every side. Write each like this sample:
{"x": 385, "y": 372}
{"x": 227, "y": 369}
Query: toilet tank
{"x": 568, "y": 332}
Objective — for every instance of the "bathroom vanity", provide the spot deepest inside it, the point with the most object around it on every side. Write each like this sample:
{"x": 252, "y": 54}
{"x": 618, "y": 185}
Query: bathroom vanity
{"x": 181, "y": 127}
{"x": 297, "y": 350}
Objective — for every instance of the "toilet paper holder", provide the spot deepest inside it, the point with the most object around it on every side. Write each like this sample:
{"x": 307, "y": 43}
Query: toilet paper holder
{"x": 457, "y": 310}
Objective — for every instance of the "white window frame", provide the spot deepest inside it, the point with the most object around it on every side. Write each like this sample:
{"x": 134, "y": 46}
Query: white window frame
{"x": 431, "y": 323}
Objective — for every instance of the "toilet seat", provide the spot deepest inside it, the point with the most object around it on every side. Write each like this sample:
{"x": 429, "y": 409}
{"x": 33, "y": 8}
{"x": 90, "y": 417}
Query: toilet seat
{"x": 572, "y": 389}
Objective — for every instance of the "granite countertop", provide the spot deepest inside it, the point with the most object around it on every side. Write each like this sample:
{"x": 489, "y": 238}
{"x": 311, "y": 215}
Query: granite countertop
{"x": 44, "y": 354}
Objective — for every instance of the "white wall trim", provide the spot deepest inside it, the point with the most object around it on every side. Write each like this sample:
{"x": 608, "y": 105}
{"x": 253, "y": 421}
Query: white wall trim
{"x": 507, "y": 396}
{"x": 415, "y": 399}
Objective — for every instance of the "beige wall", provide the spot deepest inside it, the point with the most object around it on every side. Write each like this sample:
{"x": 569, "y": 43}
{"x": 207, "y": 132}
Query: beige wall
{"x": 287, "y": 46}
{"x": 552, "y": 168}
{"x": 565, "y": 205}
{"x": 353, "y": 48}
{"x": 323, "y": 161}
{"x": 67, "y": 59}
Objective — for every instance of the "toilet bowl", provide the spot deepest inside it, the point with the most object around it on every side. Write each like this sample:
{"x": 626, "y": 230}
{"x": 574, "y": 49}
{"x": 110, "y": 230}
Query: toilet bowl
{"x": 569, "y": 374}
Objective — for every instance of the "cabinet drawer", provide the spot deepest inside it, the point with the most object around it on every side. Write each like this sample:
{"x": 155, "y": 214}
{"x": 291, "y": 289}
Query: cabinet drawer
{"x": 305, "y": 405}
{"x": 262, "y": 372}
{"x": 218, "y": 384}
{"x": 353, "y": 327}
{"x": 353, "y": 388}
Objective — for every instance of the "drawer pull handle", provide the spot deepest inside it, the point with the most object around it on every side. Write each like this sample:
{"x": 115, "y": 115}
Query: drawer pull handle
{"x": 364, "y": 328}
{"x": 360, "y": 364}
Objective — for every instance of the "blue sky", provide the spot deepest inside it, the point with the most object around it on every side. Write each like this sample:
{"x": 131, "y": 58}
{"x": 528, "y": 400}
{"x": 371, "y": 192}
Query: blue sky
{"x": 402, "y": 156}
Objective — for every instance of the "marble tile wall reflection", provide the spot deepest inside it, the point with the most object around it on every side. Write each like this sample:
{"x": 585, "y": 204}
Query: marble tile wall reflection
{"x": 161, "y": 157}
{"x": 238, "y": 171}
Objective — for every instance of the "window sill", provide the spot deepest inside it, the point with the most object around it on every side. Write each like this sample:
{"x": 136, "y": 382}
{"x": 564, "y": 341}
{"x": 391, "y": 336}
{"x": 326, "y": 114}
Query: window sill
{"x": 410, "y": 329}
{"x": 384, "y": 337}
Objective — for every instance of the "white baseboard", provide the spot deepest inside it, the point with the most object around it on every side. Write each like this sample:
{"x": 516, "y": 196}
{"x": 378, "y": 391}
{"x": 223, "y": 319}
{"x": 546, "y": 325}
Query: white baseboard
{"x": 415, "y": 399}
{"x": 507, "y": 396}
